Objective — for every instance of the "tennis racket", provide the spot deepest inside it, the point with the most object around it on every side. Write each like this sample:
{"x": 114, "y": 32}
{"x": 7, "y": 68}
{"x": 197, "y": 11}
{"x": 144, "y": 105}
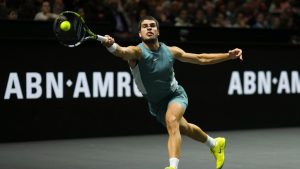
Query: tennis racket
{"x": 78, "y": 32}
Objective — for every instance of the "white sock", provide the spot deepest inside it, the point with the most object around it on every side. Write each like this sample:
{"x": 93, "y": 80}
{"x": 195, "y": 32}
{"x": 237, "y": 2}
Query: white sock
{"x": 210, "y": 142}
{"x": 174, "y": 162}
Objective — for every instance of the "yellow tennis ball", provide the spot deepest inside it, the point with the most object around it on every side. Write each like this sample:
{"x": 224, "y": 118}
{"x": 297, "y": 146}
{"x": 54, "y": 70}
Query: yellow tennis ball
{"x": 65, "y": 26}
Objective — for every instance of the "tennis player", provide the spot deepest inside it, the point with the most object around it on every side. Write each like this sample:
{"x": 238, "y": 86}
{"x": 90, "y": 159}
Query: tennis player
{"x": 151, "y": 63}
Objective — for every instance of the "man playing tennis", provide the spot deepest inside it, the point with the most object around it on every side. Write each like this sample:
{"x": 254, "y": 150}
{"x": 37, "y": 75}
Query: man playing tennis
{"x": 151, "y": 63}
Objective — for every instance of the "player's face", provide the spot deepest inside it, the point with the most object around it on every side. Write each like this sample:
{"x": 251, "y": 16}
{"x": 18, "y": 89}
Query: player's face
{"x": 149, "y": 31}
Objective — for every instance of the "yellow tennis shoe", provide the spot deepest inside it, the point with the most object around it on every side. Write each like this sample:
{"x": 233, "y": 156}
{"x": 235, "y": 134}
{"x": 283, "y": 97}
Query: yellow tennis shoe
{"x": 219, "y": 152}
{"x": 169, "y": 168}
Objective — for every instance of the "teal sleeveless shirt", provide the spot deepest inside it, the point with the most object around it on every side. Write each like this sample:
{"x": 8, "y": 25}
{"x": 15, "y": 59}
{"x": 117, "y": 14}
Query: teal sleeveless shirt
{"x": 154, "y": 74}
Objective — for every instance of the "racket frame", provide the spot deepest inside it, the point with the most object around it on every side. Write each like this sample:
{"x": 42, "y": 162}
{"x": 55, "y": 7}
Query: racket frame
{"x": 91, "y": 35}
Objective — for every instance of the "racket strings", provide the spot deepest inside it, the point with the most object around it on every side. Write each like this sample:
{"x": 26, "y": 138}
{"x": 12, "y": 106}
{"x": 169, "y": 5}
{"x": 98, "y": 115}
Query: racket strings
{"x": 78, "y": 26}
{"x": 72, "y": 36}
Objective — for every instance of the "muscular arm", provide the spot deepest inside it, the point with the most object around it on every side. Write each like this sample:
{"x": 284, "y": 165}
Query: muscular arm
{"x": 205, "y": 58}
{"x": 128, "y": 53}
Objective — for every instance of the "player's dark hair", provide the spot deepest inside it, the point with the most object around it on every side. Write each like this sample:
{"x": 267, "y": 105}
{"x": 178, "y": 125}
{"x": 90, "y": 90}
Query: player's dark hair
{"x": 148, "y": 18}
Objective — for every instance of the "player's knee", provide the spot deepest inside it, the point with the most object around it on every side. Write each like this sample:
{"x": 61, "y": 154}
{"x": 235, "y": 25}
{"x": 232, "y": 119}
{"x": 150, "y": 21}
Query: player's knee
{"x": 172, "y": 122}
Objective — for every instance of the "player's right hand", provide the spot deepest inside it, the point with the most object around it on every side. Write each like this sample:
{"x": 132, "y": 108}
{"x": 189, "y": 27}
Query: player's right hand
{"x": 109, "y": 41}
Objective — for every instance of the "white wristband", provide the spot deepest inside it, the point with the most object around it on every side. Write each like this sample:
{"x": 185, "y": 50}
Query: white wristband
{"x": 112, "y": 48}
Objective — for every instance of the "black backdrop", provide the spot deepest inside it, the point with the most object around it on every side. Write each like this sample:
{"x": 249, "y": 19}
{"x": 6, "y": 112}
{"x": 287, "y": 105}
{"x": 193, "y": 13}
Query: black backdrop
{"x": 210, "y": 104}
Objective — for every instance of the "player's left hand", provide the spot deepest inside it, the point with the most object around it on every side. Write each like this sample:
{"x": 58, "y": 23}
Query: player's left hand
{"x": 236, "y": 53}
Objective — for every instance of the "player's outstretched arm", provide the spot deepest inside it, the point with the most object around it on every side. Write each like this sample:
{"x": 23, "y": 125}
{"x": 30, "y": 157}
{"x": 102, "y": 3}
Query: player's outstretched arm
{"x": 126, "y": 53}
{"x": 206, "y": 58}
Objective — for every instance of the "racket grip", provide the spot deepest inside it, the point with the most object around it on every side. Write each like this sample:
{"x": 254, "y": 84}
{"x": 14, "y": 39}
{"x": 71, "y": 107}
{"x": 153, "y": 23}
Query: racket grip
{"x": 101, "y": 38}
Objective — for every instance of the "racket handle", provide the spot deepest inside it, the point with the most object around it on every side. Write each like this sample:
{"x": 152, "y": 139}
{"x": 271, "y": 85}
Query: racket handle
{"x": 101, "y": 38}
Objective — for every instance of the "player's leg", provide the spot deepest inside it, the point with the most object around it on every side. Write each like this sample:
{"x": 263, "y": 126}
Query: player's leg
{"x": 174, "y": 114}
{"x": 193, "y": 131}
{"x": 217, "y": 145}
